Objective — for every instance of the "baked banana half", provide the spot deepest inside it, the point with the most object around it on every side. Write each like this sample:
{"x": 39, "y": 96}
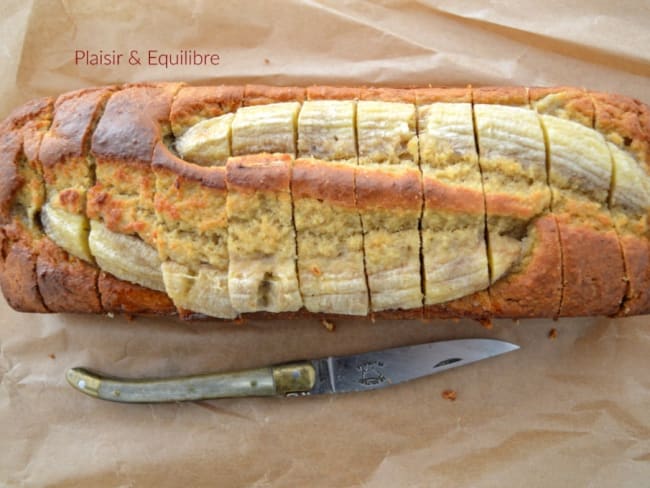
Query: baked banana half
{"x": 226, "y": 201}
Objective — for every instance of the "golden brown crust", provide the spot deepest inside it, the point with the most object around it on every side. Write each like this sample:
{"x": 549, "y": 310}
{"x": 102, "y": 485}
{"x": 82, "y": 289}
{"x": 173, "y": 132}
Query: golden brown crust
{"x": 411, "y": 314}
{"x": 617, "y": 117}
{"x": 18, "y": 271}
{"x": 594, "y": 282}
{"x": 195, "y": 103}
{"x": 33, "y": 132}
{"x": 507, "y": 205}
{"x": 264, "y": 94}
{"x": 385, "y": 189}
{"x": 644, "y": 122}
{"x": 330, "y": 182}
{"x": 425, "y": 96}
{"x": 637, "y": 265}
{"x": 474, "y": 306}
{"x": 65, "y": 283}
{"x": 501, "y": 95}
{"x": 25, "y": 113}
{"x": 536, "y": 290}
{"x": 259, "y": 172}
{"x": 20, "y": 138}
{"x": 333, "y": 93}
{"x": 124, "y": 297}
{"x": 575, "y": 101}
{"x": 131, "y": 124}
{"x": 388, "y": 95}
{"x": 71, "y": 129}
{"x": 439, "y": 196}
{"x": 210, "y": 176}
{"x": 10, "y": 182}
{"x": 134, "y": 121}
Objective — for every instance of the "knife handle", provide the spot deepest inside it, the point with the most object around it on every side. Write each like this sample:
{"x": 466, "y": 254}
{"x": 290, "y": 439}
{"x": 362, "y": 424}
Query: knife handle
{"x": 284, "y": 379}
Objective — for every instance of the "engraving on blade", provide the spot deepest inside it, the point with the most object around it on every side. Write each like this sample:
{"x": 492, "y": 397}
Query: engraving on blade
{"x": 371, "y": 373}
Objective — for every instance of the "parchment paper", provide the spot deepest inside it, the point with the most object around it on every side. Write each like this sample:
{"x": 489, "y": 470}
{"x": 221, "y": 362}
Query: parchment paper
{"x": 570, "y": 411}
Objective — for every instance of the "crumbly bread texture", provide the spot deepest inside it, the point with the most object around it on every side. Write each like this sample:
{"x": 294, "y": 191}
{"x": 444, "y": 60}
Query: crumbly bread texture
{"x": 279, "y": 202}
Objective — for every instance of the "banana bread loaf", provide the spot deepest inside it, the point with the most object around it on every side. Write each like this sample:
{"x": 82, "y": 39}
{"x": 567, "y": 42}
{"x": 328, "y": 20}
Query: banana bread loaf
{"x": 227, "y": 201}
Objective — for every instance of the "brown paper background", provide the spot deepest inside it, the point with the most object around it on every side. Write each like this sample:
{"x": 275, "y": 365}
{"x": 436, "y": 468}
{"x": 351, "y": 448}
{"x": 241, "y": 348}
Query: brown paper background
{"x": 574, "y": 411}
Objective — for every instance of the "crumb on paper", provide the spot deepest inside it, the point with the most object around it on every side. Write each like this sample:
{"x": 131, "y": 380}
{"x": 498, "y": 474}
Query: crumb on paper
{"x": 552, "y": 334}
{"x": 450, "y": 395}
{"x": 110, "y": 315}
{"x": 316, "y": 271}
{"x": 328, "y": 325}
{"x": 486, "y": 323}
{"x": 267, "y": 61}
{"x": 51, "y": 355}
{"x": 238, "y": 321}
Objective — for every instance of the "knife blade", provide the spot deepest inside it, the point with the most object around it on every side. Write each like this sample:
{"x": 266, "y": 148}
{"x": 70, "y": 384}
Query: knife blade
{"x": 341, "y": 374}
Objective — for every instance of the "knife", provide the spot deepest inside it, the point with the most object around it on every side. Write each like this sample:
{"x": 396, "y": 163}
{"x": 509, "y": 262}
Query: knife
{"x": 343, "y": 374}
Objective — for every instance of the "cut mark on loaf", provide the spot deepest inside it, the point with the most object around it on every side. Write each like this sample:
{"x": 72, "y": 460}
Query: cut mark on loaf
{"x": 553, "y": 203}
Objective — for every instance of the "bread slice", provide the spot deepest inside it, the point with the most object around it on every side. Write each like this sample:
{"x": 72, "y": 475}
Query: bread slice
{"x": 328, "y": 225}
{"x": 261, "y": 237}
{"x": 68, "y": 170}
{"x": 21, "y": 195}
{"x": 523, "y": 244}
{"x": 389, "y": 198}
{"x": 580, "y": 172}
{"x": 120, "y": 205}
{"x": 619, "y": 119}
{"x": 192, "y": 234}
{"x": 67, "y": 274}
{"x": 454, "y": 211}
{"x": 390, "y": 204}
{"x": 329, "y": 238}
